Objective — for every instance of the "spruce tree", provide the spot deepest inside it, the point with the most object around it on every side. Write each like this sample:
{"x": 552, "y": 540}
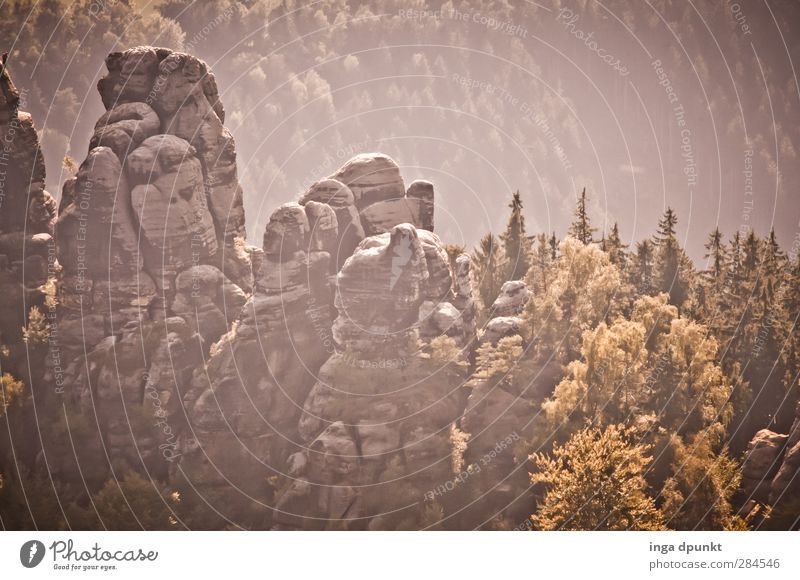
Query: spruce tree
{"x": 581, "y": 228}
{"x": 643, "y": 267}
{"x": 716, "y": 256}
{"x": 734, "y": 265}
{"x": 489, "y": 266}
{"x": 542, "y": 262}
{"x": 672, "y": 266}
{"x": 516, "y": 243}
{"x": 616, "y": 249}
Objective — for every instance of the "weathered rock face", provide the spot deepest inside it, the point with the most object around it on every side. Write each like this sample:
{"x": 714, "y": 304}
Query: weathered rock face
{"x": 243, "y": 407}
{"x": 761, "y": 464}
{"x": 513, "y": 297}
{"x": 771, "y": 466}
{"x": 322, "y": 402}
{"x": 339, "y": 197}
{"x": 27, "y": 215}
{"x": 376, "y": 425}
{"x": 379, "y": 194}
{"x": 150, "y": 237}
{"x": 380, "y": 289}
{"x": 497, "y": 414}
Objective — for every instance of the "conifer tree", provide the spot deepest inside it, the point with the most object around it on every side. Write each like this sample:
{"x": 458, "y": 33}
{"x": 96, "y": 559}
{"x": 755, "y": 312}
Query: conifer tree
{"x": 734, "y": 265}
{"x": 489, "y": 266}
{"x": 581, "y": 228}
{"x": 616, "y": 249}
{"x": 716, "y": 256}
{"x": 643, "y": 267}
{"x": 515, "y": 240}
{"x": 672, "y": 266}
{"x": 553, "y": 247}
{"x": 698, "y": 495}
{"x": 542, "y": 262}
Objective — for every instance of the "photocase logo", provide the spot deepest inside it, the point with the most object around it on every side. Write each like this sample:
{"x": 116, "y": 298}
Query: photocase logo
{"x": 31, "y": 553}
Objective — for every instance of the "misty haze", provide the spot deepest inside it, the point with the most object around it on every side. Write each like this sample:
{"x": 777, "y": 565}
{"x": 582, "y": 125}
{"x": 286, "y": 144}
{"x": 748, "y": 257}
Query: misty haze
{"x": 346, "y": 265}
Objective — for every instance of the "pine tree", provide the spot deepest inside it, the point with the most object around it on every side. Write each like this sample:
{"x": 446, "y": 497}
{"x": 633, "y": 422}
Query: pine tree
{"x": 581, "y": 228}
{"x": 773, "y": 266}
{"x": 488, "y": 270}
{"x": 751, "y": 251}
{"x": 734, "y": 265}
{"x": 516, "y": 243}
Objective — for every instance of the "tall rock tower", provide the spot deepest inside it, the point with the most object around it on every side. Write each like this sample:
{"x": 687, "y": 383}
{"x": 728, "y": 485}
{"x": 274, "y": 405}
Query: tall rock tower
{"x": 150, "y": 237}
{"x": 27, "y": 217}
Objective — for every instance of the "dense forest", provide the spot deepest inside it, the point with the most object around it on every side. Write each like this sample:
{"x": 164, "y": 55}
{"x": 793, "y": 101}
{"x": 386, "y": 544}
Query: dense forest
{"x": 559, "y": 363}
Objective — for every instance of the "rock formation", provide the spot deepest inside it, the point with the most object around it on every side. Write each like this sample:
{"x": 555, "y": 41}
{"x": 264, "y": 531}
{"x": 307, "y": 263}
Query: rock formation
{"x": 150, "y": 238}
{"x": 496, "y": 417}
{"x": 771, "y": 466}
{"x": 27, "y": 216}
{"x": 296, "y": 385}
{"x": 380, "y": 196}
{"x": 376, "y": 425}
{"x": 322, "y": 401}
{"x": 243, "y": 407}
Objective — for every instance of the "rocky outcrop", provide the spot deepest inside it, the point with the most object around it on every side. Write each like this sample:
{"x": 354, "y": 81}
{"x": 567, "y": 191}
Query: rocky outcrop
{"x": 27, "y": 216}
{"x": 512, "y": 299}
{"x": 402, "y": 270}
{"x": 326, "y": 398}
{"x": 314, "y": 382}
{"x": 761, "y": 464}
{"x": 380, "y": 196}
{"x": 771, "y": 466}
{"x": 376, "y": 425}
{"x": 339, "y": 197}
{"x": 244, "y": 405}
{"x": 497, "y": 416}
{"x": 150, "y": 239}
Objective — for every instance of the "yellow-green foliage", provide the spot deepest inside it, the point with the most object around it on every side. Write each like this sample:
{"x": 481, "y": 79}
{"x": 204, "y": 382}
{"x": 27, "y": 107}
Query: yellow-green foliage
{"x": 445, "y": 351}
{"x": 595, "y": 481}
{"x": 698, "y": 495}
{"x": 37, "y": 331}
{"x": 579, "y": 296}
{"x": 134, "y": 503}
{"x": 499, "y": 360}
{"x": 655, "y": 365}
{"x": 11, "y": 391}
{"x": 458, "y": 444}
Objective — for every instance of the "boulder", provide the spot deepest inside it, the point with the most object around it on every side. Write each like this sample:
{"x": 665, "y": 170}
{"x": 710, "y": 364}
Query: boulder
{"x": 339, "y": 197}
{"x": 124, "y": 127}
{"x": 512, "y": 299}
{"x": 170, "y": 206}
{"x": 372, "y": 177}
